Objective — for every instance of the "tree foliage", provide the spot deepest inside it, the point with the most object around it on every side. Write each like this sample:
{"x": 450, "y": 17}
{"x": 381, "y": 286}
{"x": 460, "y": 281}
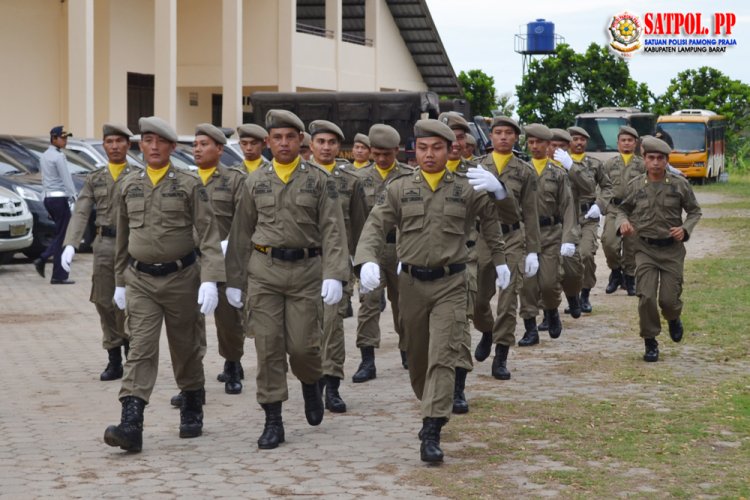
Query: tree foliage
{"x": 479, "y": 89}
{"x": 505, "y": 105}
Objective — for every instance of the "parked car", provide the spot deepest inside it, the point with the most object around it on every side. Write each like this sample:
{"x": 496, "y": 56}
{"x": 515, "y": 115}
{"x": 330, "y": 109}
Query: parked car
{"x": 16, "y": 223}
{"x": 92, "y": 150}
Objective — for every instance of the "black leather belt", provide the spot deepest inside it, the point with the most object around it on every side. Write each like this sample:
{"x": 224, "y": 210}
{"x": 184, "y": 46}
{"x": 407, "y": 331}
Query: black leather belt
{"x": 507, "y": 228}
{"x": 586, "y": 206}
{"x": 289, "y": 254}
{"x": 659, "y": 242}
{"x": 616, "y": 201}
{"x": 470, "y": 243}
{"x": 432, "y": 273}
{"x": 164, "y": 268}
{"x": 107, "y": 231}
{"x": 549, "y": 221}
{"x": 390, "y": 237}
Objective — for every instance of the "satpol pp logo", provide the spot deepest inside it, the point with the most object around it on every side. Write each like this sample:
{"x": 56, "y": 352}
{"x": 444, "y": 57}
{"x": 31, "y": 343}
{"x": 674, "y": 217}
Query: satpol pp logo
{"x": 625, "y": 30}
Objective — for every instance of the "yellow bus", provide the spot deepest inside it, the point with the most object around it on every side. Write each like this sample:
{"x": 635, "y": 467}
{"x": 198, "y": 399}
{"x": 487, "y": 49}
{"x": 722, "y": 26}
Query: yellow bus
{"x": 697, "y": 140}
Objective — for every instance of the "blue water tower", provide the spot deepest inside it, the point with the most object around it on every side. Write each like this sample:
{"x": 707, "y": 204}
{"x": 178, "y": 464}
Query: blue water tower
{"x": 540, "y": 37}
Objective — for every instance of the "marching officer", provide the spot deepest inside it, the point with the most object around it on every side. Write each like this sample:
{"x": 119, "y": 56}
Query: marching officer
{"x": 304, "y": 151}
{"x": 98, "y": 192}
{"x": 651, "y": 215}
{"x": 361, "y": 151}
{"x": 158, "y": 278}
{"x": 325, "y": 143}
{"x": 288, "y": 246}
{"x": 384, "y": 140}
{"x": 621, "y": 169}
{"x": 252, "y": 141}
{"x": 471, "y": 146}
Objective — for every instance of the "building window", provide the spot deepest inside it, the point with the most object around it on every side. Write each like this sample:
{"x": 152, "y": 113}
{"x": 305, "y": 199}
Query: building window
{"x": 311, "y": 18}
{"x": 353, "y": 22}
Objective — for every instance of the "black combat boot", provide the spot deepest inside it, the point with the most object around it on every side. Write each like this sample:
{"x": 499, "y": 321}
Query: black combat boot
{"x": 366, "y": 370}
{"x": 460, "y": 405}
{"x": 176, "y": 400}
{"x": 531, "y": 335}
{"x": 499, "y": 362}
{"x": 233, "y": 385}
{"x": 129, "y": 434}
{"x": 404, "y": 360}
{"x": 430, "y": 450}
{"x": 484, "y": 347}
{"x": 222, "y": 377}
{"x": 191, "y": 413}
{"x": 543, "y": 326}
{"x": 313, "y": 403}
{"x": 615, "y": 280}
{"x": 652, "y": 350}
{"x": 333, "y": 400}
{"x": 113, "y": 371}
{"x": 574, "y": 306}
{"x": 629, "y": 284}
{"x": 675, "y": 329}
{"x": 585, "y": 302}
{"x": 555, "y": 325}
{"x": 273, "y": 431}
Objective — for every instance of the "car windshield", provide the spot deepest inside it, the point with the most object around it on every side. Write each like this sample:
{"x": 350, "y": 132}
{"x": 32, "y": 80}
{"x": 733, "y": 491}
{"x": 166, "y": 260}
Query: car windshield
{"x": 29, "y": 161}
{"x": 603, "y": 132}
{"x": 76, "y": 164}
{"x": 687, "y": 137}
{"x": 7, "y": 169}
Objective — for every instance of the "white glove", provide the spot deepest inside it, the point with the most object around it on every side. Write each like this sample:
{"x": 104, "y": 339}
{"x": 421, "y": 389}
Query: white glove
{"x": 564, "y": 158}
{"x": 531, "y": 266}
{"x": 234, "y": 297}
{"x": 224, "y": 245}
{"x": 369, "y": 276}
{"x": 398, "y": 268}
{"x": 503, "y": 276}
{"x": 567, "y": 249}
{"x": 208, "y": 297}
{"x": 67, "y": 257}
{"x": 331, "y": 291}
{"x": 594, "y": 212}
{"x": 119, "y": 298}
{"x": 483, "y": 180}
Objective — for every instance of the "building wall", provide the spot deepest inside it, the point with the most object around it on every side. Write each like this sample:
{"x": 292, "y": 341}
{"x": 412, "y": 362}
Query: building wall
{"x": 396, "y": 67}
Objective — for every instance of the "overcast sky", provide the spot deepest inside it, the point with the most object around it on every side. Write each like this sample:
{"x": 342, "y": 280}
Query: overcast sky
{"x": 479, "y": 34}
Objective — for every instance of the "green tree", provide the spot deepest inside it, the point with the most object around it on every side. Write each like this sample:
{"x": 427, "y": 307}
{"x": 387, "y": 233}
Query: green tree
{"x": 557, "y": 88}
{"x": 505, "y": 105}
{"x": 479, "y": 89}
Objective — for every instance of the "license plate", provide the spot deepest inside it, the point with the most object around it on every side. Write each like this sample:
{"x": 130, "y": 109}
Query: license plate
{"x": 17, "y": 229}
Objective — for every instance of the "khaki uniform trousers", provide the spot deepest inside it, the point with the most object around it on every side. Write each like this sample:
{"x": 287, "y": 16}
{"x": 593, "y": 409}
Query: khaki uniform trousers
{"x": 588, "y": 248}
{"x": 333, "y": 346}
{"x": 368, "y": 316}
{"x": 465, "y": 359}
{"x": 229, "y": 328}
{"x": 658, "y": 284}
{"x": 173, "y": 300}
{"x": 543, "y": 289}
{"x": 111, "y": 317}
{"x": 572, "y": 273}
{"x": 619, "y": 251}
{"x": 433, "y": 330}
{"x": 286, "y": 316}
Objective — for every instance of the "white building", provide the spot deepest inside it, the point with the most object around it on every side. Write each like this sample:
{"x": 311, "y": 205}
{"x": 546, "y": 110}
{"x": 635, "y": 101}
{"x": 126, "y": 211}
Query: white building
{"x": 85, "y": 62}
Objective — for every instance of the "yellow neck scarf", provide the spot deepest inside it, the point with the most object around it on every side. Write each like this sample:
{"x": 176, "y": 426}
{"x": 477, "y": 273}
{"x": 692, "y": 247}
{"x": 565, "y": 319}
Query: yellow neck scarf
{"x": 501, "y": 160}
{"x": 539, "y": 164}
{"x": 384, "y": 173}
{"x": 469, "y": 158}
{"x": 626, "y": 158}
{"x": 360, "y": 164}
{"x": 577, "y": 158}
{"x": 452, "y": 165}
{"x": 285, "y": 170}
{"x": 328, "y": 166}
{"x": 115, "y": 169}
{"x": 156, "y": 174}
{"x": 252, "y": 165}
{"x": 206, "y": 174}
{"x": 433, "y": 179}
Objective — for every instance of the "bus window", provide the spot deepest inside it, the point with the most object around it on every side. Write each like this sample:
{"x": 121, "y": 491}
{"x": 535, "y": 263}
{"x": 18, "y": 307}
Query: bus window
{"x": 687, "y": 136}
{"x": 603, "y": 132}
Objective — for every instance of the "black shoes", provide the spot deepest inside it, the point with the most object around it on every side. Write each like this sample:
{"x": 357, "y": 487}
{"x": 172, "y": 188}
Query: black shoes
{"x": 191, "y": 413}
{"x": 177, "y": 398}
{"x": 366, "y": 370}
{"x": 232, "y": 372}
{"x": 615, "y": 280}
{"x": 333, "y": 400}
{"x": 499, "y": 362}
{"x": 675, "y": 329}
{"x": 129, "y": 434}
{"x": 273, "y": 431}
{"x": 39, "y": 266}
{"x": 531, "y": 335}
{"x": 543, "y": 326}
{"x": 430, "y": 450}
{"x": 460, "y": 405}
{"x": 313, "y": 403}
{"x": 628, "y": 283}
{"x": 574, "y": 306}
{"x": 555, "y": 325}
{"x": 54, "y": 281}
{"x": 652, "y": 351}
{"x": 484, "y": 347}
{"x": 404, "y": 360}
{"x": 113, "y": 371}
{"x": 585, "y": 302}
{"x": 222, "y": 377}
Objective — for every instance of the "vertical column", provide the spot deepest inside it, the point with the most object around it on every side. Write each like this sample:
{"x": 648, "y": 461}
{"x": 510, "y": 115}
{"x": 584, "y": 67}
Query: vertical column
{"x": 334, "y": 22}
{"x": 81, "y": 67}
{"x": 287, "y": 35}
{"x": 165, "y": 60}
{"x": 231, "y": 63}
{"x": 372, "y": 25}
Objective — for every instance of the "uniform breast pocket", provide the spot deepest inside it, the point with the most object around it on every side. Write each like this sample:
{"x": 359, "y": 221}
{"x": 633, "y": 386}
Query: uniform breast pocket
{"x": 672, "y": 200}
{"x": 174, "y": 212}
{"x": 102, "y": 197}
{"x": 266, "y": 206}
{"x": 223, "y": 204}
{"x": 513, "y": 186}
{"x": 412, "y": 217}
{"x": 455, "y": 218}
{"x": 307, "y": 209}
{"x": 136, "y": 211}
{"x": 549, "y": 190}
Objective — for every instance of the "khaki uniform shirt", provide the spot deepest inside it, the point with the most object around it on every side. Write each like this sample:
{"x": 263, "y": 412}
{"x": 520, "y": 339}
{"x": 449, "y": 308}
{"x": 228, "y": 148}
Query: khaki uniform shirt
{"x": 155, "y": 223}
{"x": 520, "y": 180}
{"x": 373, "y": 183}
{"x": 304, "y": 213}
{"x": 653, "y": 207}
{"x": 223, "y": 188}
{"x": 554, "y": 199}
{"x": 433, "y": 226}
{"x": 621, "y": 175}
{"x": 585, "y": 177}
{"x": 98, "y": 191}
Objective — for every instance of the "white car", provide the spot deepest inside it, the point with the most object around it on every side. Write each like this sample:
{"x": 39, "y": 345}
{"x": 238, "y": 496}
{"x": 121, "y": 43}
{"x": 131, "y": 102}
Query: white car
{"x": 16, "y": 223}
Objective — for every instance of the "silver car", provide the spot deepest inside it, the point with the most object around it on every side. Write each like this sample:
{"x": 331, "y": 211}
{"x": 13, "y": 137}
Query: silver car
{"x": 16, "y": 224}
